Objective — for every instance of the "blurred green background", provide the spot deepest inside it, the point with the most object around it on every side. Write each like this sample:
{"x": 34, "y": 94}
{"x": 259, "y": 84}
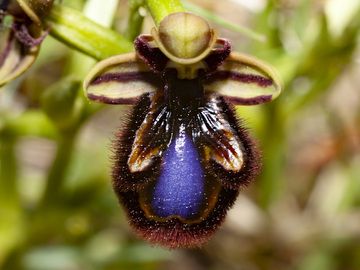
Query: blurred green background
{"x": 57, "y": 209}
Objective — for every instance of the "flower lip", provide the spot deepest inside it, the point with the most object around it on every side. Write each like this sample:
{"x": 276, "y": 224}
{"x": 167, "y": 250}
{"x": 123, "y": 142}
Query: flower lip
{"x": 184, "y": 38}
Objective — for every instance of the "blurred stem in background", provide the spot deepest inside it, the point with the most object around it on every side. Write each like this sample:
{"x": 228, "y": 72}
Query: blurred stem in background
{"x": 321, "y": 59}
{"x": 56, "y": 175}
{"x": 135, "y": 20}
{"x": 66, "y": 106}
{"x": 10, "y": 212}
{"x": 159, "y": 9}
{"x": 250, "y": 33}
{"x": 78, "y": 66}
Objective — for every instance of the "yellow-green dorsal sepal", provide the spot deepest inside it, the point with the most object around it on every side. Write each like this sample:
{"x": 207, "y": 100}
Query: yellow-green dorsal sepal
{"x": 184, "y": 38}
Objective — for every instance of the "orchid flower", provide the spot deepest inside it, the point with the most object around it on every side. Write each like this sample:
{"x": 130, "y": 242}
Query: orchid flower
{"x": 183, "y": 154}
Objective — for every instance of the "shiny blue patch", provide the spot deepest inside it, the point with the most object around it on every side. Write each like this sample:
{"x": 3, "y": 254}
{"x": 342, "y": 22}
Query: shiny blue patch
{"x": 180, "y": 188}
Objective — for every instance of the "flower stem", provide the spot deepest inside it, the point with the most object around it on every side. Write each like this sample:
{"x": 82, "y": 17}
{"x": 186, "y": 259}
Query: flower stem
{"x": 135, "y": 20}
{"x": 57, "y": 172}
{"x": 67, "y": 139}
{"x": 159, "y": 9}
{"x": 8, "y": 170}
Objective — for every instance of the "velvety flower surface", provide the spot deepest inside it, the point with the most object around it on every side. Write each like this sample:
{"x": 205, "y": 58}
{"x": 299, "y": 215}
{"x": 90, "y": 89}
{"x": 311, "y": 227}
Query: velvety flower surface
{"x": 21, "y": 33}
{"x": 183, "y": 154}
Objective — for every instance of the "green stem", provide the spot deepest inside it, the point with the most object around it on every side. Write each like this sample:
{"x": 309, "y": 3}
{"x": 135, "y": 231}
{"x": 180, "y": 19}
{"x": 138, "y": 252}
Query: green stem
{"x": 273, "y": 143}
{"x": 79, "y": 65}
{"x": 159, "y": 9}
{"x": 74, "y": 29}
{"x": 11, "y": 212}
{"x": 8, "y": 169}
{"x": 54, "y": 188}
{"x": 135, "y": 20}
{"x": 219, "y": 20}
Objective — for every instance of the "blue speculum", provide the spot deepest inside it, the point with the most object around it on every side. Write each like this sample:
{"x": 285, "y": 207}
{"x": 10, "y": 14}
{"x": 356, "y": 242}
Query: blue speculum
{"x": 180, "y": 189}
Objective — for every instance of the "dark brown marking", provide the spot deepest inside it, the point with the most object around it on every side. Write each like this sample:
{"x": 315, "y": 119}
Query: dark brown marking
{"x": 223, "y": 75}
{"x": 152, "y": 56}
{"x": 113, "y": 101}
{"x": 144, "y": 76}
{"x": 249, "y": 101}
{"x": 218, "y": 55}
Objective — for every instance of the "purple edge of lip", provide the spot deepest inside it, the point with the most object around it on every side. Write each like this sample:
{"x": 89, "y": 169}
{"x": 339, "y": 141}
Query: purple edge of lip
{"x": 121, "y": 77}
{"x": 107, "y": 100}
{"x": 249, "y": 101}
{"x": 127, "y": 77}
{"x": 241, "y": 77}
{"x": 244, "y": 78}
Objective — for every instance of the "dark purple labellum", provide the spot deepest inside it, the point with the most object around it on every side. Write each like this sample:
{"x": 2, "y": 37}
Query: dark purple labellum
{"x": 187, "y": 175}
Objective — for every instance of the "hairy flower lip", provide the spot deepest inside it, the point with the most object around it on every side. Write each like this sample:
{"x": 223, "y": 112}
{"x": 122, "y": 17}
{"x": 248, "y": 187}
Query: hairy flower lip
{"x": 172, "y": 233}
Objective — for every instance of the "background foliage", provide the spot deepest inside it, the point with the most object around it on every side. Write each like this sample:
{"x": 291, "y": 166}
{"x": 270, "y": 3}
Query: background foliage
{"x": 57, "y": 209}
